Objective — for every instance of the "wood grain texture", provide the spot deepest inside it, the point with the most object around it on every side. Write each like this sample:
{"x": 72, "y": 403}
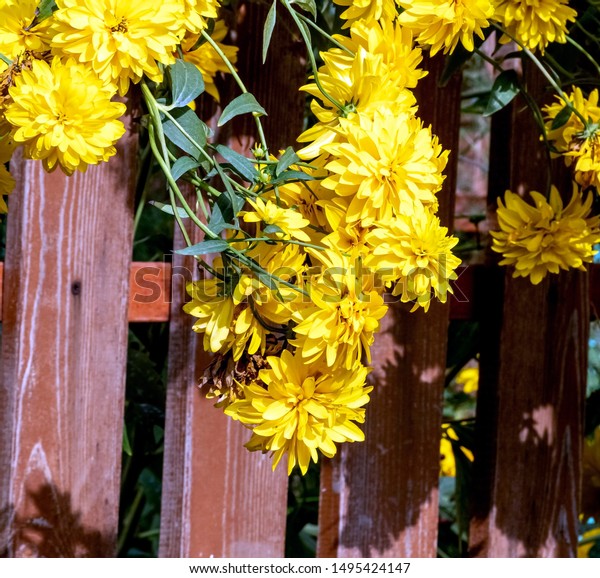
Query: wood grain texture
{"x": 532, "y": 386}
{"x": 380, "y": 497}
{"x": 218, "y": 499}
{"x": 64, "y": 349}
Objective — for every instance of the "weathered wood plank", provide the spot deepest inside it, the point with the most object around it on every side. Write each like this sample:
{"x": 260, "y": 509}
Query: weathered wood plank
{"x": 64, "y": 348}
{"x": 218, "y": 499}
{"x": 531, "y": 396}
{"x": 381, "y": 496}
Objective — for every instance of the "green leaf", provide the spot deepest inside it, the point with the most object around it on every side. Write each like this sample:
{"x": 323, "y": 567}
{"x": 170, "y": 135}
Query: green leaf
{"x": 165, "y": 208}
{"x": 230, "y": 203}
{"x": 183, "y": 165}
{"x": 307, "y": 5}
{"x": 268, "y": 29}
{"x": 186, "y": 82}
{"x": 288, "y": 176}
{"x": 239, "y": 163}
{"x": 44, "y": 10}
{"x": 505, "y": 88}
{"x": 561, "y": 118}
{"x": 191, "y": 125}
{"x": 243, "y": 104}
{"x": 289, "y": 157}
{"x": 210, "y": 246}
{"x": 217, "y": 223}
{"x": 126, "y": 444}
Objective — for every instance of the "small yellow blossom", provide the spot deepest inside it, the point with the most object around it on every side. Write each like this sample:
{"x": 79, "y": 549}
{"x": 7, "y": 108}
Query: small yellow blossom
{"x": 447, "y": 449}
{"x": 205, "y": 58}
{"x": 300, "y": 409}
{"x": 443, "y": 24}
{"x": 386, "y": 164}
{"x": 468, "y": 378}
{"x": 122, "y": 41}
{"x": 415, "y": 251}
{"x": 535, "y": 24}
{"x": 63, "y": 114}
{"x": 545, "y": 237}
{"x": 583, "y": 551}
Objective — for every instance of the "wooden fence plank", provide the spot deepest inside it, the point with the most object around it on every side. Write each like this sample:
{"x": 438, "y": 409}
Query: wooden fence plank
{"x": 64, "y": 347}
{"x": 381, "y": 496}
{"x": 533, "y": 373}
{"x": 218, "y": 499}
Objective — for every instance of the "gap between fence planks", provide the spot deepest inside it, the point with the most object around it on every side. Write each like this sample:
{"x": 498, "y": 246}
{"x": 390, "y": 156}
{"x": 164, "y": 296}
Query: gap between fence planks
{"x": 150, "y": 290}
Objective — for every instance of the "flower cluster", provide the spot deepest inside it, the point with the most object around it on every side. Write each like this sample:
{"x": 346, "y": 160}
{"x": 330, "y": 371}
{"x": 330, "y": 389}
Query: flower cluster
{"x": 59, "y": 75}
{"x": 361, "y": 220}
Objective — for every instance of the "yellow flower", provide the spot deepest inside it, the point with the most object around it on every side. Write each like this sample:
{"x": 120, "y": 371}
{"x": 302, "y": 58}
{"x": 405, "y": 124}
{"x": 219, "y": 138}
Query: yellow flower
{"x": 447, "y": 448}
{"x": 367, "y": 10}
{"x": 416, "y": 251}
{"x": 339, "y": 323}
{"x": 579, "y": 144}
{"x": 197, "y": 12}
{"x": 16, "y": 33}
{"x": 545, "y": 237}
{"x": 290, "y": 222}
{"x": 535, "y": 24}
{"x": 300, "y": 409}
{"x": 63, "y": 115}
{"x": 386, "y": 164}
{"x": 364, "y": 85}
{"x": 468, "y": 377}
{"x": 208, "y": 62}
{"x": 389, "y": 40}
{"x": 443, "y": 24}
{"x": 121, "y": 40}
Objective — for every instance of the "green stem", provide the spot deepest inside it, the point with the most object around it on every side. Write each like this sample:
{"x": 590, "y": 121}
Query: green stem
{"x": 291, "y": 241}
{"x": 128, "y": 522}
{"x": 142, "y": 182}
{"x": 238, "y": 80}
{"x": 311, "y": 56}
{"x": 325, "y": 34}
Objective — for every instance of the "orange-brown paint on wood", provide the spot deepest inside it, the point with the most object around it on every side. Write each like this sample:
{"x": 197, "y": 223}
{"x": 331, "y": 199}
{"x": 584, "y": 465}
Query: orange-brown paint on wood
{"x": 64, "y": 350}
{"x": 150, "y": 292}
{"x": 532, "y": 382}
{"x": 380, "y": 497}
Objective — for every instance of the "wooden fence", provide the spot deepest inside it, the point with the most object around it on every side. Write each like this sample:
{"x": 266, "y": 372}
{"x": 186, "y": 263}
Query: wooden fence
{"x": 66, "y": 304}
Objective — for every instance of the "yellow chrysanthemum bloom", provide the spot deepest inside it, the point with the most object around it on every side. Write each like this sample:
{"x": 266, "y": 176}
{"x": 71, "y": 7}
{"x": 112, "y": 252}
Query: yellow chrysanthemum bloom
{"x": 290, "y": 222}
{"x": 338, "y": 326}
{"x": 240, "y": 317}
{"x": 197, "y": 12}
{"x": 122, "y": 41}
{"x": 545, "y": 237}
{"x": 16, "y": 33}
{"x": 386, "y": 163}
{"x": 63, "y": 115}
{"x": 468, "y": 378}
{"x": 387, "y": 39}
{"x": 579, "y": 144}
{"x": 535, "y": 24}
{"x": 416, "y": 251}
{"x": 208, "y": 62}
{"x": 365, "y": 86}
{"x": 443, "y": 24}
{"x": 298, "y": 409}
{"x": 368, "y": 10}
